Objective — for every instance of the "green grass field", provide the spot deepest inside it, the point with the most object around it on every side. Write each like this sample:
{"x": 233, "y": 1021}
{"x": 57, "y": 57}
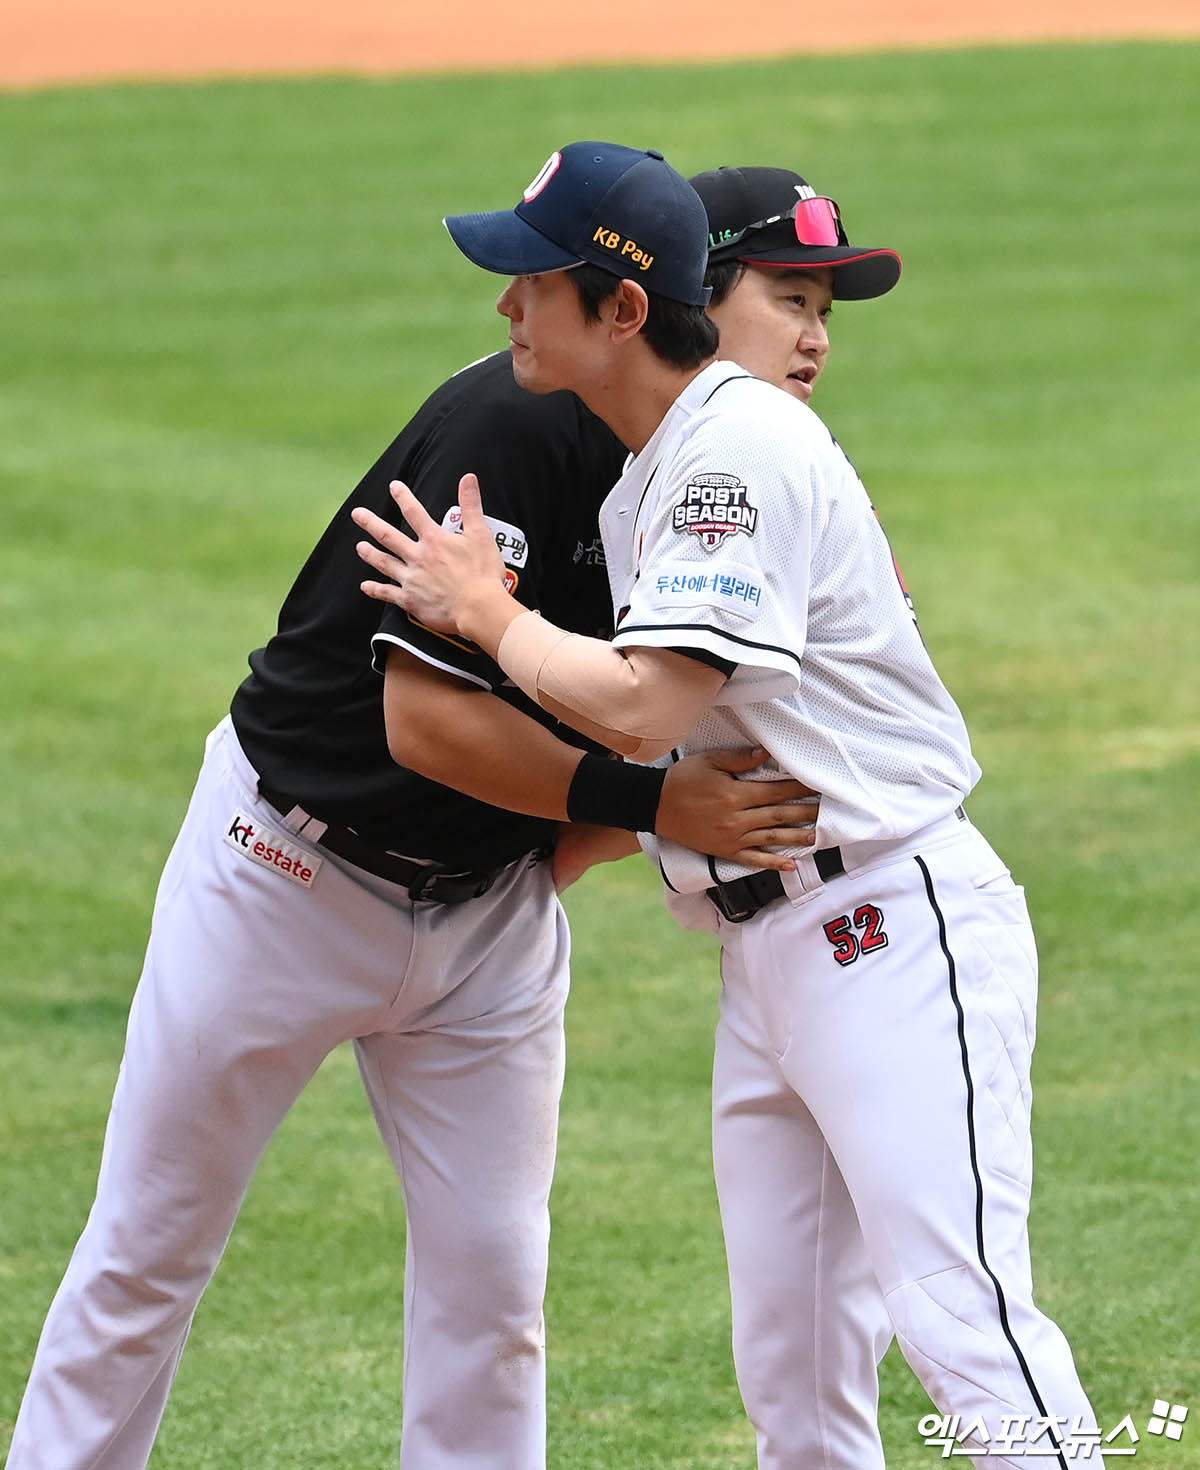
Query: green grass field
{"x": 218, "y": 303}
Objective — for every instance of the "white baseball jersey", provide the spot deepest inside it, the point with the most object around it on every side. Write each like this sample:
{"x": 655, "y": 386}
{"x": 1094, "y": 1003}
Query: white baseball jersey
{"x": 742, "y": 530}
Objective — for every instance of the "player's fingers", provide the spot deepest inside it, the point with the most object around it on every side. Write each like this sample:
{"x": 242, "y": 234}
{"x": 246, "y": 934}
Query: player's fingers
{"x": 470, "y": 502}
{"x": 735, "y": 761}
{"x": 392, "y": 537}
{"x": 759, "y": 793}
{"x": 779, "y": 837}
{"x": 791, "y": 814}
{"x": 761, "y": 857}
{"x": 384, "y": 592}
{"x": 774, "y": 793}
{"x": 411, "y": 508}
{"x": 389, "y": 566}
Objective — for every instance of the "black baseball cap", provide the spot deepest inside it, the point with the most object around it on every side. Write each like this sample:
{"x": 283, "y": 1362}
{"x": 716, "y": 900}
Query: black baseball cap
{"x": 773, "y": 217}
{"x": 625, "y": 209}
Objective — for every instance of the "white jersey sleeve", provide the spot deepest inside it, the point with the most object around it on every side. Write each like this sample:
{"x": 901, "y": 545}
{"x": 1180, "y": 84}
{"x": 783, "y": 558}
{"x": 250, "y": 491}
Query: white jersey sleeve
{"x": 724, "y": 540}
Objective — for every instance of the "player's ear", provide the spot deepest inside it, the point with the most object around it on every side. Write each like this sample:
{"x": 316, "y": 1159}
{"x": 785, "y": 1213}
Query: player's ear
{"x": 630, "y": 307}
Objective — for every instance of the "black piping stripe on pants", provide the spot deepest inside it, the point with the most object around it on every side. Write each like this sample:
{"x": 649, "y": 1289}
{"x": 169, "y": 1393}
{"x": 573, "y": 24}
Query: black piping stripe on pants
{"x": 966, "y": 1064}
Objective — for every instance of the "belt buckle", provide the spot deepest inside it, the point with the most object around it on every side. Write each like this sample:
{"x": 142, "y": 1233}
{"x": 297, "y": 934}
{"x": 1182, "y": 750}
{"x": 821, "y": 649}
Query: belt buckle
{"x": 482, "y": 883}
{"x": 726, "y": 908}
{"x": 418, "y": 888}
{"x": 459, "y": 887}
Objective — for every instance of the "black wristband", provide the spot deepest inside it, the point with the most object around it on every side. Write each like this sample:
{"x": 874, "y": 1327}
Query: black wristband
{"x": 615, "y": 793}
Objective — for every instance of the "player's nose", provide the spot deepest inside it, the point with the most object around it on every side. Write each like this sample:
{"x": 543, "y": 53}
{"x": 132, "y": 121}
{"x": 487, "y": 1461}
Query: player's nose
{"x": 506, "y": 304}
{"x": 814, "y": 337}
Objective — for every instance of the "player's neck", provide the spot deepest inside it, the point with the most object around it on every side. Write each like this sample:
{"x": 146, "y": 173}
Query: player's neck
{"x": 634, "y": 400}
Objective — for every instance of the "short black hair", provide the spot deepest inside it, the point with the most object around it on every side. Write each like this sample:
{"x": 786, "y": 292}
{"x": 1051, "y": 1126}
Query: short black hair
{"x": 723, "y": 276}
{"x": 677, "y": 333}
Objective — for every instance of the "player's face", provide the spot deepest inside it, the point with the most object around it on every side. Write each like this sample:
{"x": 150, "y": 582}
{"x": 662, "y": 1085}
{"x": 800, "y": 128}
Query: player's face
{"x": 551, "y": 342}
{"x": 775, "y": 323}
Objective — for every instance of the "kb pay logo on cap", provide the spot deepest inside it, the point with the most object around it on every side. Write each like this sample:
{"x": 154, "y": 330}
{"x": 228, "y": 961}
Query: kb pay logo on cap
{"x": 611, "y": 240}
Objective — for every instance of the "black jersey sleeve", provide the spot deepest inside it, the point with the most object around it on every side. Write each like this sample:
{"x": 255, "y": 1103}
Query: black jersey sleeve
{"x": 519, "y": 446}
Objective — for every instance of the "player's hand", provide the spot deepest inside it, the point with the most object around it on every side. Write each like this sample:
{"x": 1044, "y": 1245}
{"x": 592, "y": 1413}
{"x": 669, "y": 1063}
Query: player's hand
{"x": 580, "y": 846}
{"x": 436, "y": 576}
{"x": 706, "y": 807}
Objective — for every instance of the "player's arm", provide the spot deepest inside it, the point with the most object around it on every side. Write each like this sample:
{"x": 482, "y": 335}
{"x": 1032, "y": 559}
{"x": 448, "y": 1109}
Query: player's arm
{"x": 641, "y": 702}
{"x": 580, "y": 846}
{"x": 469, "y": 739}
{"x": 464, "y": 737}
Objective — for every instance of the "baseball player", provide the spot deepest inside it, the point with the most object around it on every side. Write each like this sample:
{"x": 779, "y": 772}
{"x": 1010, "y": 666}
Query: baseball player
{"x": 327, "y": 885}
{"x": 871, "y": 1081}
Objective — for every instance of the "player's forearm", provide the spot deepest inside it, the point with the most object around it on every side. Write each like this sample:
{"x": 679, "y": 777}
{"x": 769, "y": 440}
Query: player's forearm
{"x": 640, "y": 703}
{"x": 475, "y": 743}
{"x": 472, "y": 740}
{"x": 631, "y": 747}
{"x": 581, "y": 846}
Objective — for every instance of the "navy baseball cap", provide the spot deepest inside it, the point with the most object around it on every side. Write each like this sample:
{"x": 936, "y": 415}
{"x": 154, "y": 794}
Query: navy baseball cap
{"x": 624, "y": 209}
{"x": 773, "y": 217}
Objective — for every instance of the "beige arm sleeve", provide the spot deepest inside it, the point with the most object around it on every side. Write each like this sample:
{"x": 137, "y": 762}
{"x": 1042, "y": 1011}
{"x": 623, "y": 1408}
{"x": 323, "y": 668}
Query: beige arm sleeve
{"x": 641, "y": 703}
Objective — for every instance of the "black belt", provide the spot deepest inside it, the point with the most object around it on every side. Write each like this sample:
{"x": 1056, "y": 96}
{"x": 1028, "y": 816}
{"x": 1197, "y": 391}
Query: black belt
{"x": 429, "y": 881}
{"x": 741, "y": 898}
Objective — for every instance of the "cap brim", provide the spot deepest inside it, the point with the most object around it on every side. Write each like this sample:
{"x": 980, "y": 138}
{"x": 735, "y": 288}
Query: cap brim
{"x": 858, "y": 273}
{"x": 505, "y": 243}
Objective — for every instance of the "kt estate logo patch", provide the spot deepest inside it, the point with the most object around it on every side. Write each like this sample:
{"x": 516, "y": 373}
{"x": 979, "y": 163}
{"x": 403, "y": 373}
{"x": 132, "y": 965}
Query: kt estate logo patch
{"x": 714, "y": 507}
{"x": 248, "y": 836}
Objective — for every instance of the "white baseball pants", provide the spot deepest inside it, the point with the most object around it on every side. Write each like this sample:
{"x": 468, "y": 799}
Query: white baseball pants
{"x": 251, "y": 979}
{"x": 872, "y": 1140}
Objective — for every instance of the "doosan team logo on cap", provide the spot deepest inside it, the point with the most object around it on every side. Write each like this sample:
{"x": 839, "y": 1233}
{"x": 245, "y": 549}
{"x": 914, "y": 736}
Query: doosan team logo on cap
{"x": 625, "y": 209}
{"x": 543, "y": 177}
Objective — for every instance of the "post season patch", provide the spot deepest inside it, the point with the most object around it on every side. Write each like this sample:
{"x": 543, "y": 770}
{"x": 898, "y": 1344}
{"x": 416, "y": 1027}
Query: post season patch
{"x": 714, "y": 507}
{"x": 730, "y": 588}
{"x": 248, "y": 836}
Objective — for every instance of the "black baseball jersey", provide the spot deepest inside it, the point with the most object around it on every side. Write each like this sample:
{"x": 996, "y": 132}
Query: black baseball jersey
{"x": 310, "y": 714}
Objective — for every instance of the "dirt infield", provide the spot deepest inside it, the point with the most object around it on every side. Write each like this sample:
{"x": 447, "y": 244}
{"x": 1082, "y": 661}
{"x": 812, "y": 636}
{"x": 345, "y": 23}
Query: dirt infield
{"x": 51, "y": 41}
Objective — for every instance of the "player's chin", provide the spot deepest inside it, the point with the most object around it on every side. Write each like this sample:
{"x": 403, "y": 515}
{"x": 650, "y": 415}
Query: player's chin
{"x": 523, "y": 366}
{"x": 798, "y": 388}
{"x": 527, "y": 375}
